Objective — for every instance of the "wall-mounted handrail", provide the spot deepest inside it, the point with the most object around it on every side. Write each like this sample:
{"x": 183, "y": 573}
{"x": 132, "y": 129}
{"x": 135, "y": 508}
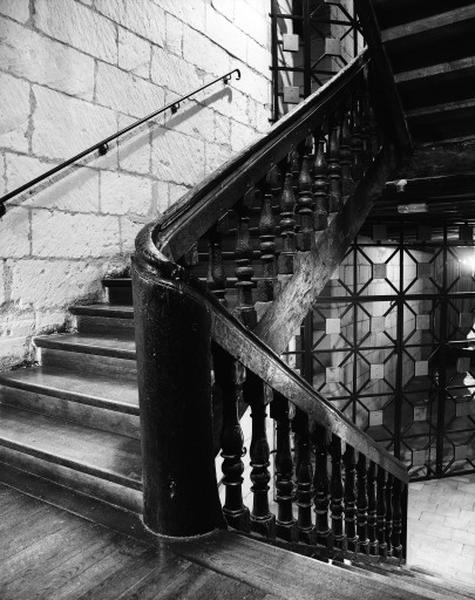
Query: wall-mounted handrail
{"x": 102, "y": 146}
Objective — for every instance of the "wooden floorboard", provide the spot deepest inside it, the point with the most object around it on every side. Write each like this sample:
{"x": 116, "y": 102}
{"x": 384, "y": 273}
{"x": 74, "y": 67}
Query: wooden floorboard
{"x": 50, "y": 554}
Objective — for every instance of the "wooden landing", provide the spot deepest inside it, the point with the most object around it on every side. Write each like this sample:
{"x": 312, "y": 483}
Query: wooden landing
{"x": 50, "y": 554}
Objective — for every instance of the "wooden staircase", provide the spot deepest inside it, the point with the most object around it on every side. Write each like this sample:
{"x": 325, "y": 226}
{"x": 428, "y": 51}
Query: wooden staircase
{"x": 73, "y": 420}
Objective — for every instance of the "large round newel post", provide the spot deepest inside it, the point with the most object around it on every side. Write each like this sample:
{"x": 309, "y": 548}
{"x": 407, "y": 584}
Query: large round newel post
{"x": 172, "y": 330}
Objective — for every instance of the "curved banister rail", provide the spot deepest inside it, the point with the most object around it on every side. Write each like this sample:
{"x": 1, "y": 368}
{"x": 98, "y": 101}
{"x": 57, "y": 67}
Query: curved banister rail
{"x": 191, "y": 349}
{"x": 102, "y": 145}
{"x": 189, "y": 218}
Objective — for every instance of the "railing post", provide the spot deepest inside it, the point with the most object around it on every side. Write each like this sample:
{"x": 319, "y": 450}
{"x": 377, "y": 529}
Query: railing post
{"x": 172, "y": 331}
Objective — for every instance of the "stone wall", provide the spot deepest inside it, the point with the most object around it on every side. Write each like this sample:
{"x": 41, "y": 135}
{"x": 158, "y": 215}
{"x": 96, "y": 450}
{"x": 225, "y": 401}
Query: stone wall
{"x": 72, "y": 72}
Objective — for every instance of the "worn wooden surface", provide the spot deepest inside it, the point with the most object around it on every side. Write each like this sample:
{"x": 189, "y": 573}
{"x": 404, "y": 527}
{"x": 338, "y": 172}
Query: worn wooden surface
{"x": 283, "y": 318}
{"x": 47, "y": 553}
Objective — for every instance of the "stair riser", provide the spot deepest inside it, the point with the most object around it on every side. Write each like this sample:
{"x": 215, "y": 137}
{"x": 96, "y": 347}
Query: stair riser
{"x": 72, "y": 411}
{"x": 93, "y": 364}
{"x": 76, "y": 480}
{"x": 120, "y": 295}
{"x": 110, "y": 326}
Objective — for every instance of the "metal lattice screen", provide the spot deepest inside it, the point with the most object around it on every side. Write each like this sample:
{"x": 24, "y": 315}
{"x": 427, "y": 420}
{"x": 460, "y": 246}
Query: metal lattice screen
{"x": 390, "y": 343}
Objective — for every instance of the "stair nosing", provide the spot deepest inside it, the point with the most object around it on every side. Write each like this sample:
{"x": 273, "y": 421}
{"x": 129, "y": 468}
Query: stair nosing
{"x": 104, "y": 310}
{"x": 56, "y": 392}
{"x": 437, "y": 21}
{"x": 86, "y": 468}
{"x": 56, "y": 343}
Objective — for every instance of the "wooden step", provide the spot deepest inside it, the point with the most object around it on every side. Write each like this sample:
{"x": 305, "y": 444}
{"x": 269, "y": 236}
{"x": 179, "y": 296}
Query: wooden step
{"x": 444, "y": 37}
{"x": 99, "y": 355}
{"x": 104, "y": 404}
{"x": 105, "y": 319}
{"x": 396, "y": 12}
{"x": 443, "y": 122}
{"x": 447, "y": 81}
{"x": 97, "y": 463}
{"x": 119, "y": 290}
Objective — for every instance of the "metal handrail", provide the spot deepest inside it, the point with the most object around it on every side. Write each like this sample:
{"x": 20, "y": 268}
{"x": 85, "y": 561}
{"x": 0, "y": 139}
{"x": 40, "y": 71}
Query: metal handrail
{"x": 103, "y": 146}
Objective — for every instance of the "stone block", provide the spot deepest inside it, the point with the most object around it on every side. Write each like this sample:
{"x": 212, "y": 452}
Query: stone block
{"x": 225, "y": 7}
{"x": 16, "y": 9}
{"x": 174, "y": 73}
{"x": 74, "y": 189}
{"x": 225, "y": 34}
{"x": 122, "y": 193}
{"x": 77, "y": 124}
{"x": 195, "y": 120}
{"x": 142, "y": 17}
{"x": 174, "y": 35}
{"x": 40, "y": 60}
{"x": 176, "y": 192}
{"x": 205, "y": 54}
{"x": 241, "y": 136}
{"x": 258, "y": 57}
{"x": 134, "y": 149}
{"x": 216, "y": 156}
{"x": 177, "y": 157}
{"x": 134, "y": 53}
{"x": 127, "y": 93}
{"x": 74, "y": 235}
{"x": 253, "y": 23}
{"x": 14, "y": 239}
{"x": 53, "y": 283}
{"x": 14, "y": 120}
{"x": 129, "y": 228}
{"x": 78, "y": 26}
{"x": 192, "y": 12}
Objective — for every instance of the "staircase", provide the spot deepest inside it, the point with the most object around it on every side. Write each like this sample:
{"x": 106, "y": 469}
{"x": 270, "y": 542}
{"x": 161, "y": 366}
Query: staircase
{"x": 231, "y": 271}
{"x": 74, "y": 419}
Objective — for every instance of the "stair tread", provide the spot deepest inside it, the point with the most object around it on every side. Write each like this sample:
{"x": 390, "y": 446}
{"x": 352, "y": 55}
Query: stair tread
{"x": 105, "y": 392}
{"x": 461, "y": 64}
{"x": 117, "y": 282}
{"x": 102, "y": 345}
{"x": 445, "y": 19}
{"x": 108, "y": 455}
{"x": 123, "y": 311}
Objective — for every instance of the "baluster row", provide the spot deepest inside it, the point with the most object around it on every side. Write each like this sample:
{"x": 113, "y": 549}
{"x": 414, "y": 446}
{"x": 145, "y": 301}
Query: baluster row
{"x": 340, "y": 503}
{"x": 294, "y": 201}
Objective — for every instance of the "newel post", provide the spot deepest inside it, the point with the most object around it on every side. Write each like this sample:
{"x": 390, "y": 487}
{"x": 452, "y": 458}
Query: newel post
{"x": 172, "y": 330}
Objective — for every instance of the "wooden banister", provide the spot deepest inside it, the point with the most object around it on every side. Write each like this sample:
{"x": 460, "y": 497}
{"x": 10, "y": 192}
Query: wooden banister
{"x": 198, "y": 210}
{"x": 293, "y": 200}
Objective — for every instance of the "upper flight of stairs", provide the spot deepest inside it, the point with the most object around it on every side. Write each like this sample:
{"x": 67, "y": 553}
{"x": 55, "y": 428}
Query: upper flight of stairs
{"x": 431, "y": 47}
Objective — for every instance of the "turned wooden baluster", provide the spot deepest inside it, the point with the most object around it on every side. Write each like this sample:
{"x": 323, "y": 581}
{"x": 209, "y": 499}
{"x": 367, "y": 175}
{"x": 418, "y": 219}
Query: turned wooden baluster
{"x": 228, "y": 379}
{"x": 287, "y": 227}
{"x": 362, "y": 504}
{"x": 305, "y": 201}
{"x": 381, "y": 512}
{"x": 397, "y": 519}
{"x": 285, "y": 523}
{"x": 336, "y": 502}
{"x": 334, "y": 168}
{"x": 304, "y": 476}
{"x": 389, "y": 514}
{"x": 357, "y": 168}
{"x": 262, "y": 520}
{"x": 320, "y": 183}
{"x": 244, "y": 271}
{"x": 346, "y": 156}
{"x": 372, "y": 510}
{"x": 265, "y": 287}
{"x": 350, "y": 499}
{"x": 321, "y": 488}
{"x": 216, "y": 279}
